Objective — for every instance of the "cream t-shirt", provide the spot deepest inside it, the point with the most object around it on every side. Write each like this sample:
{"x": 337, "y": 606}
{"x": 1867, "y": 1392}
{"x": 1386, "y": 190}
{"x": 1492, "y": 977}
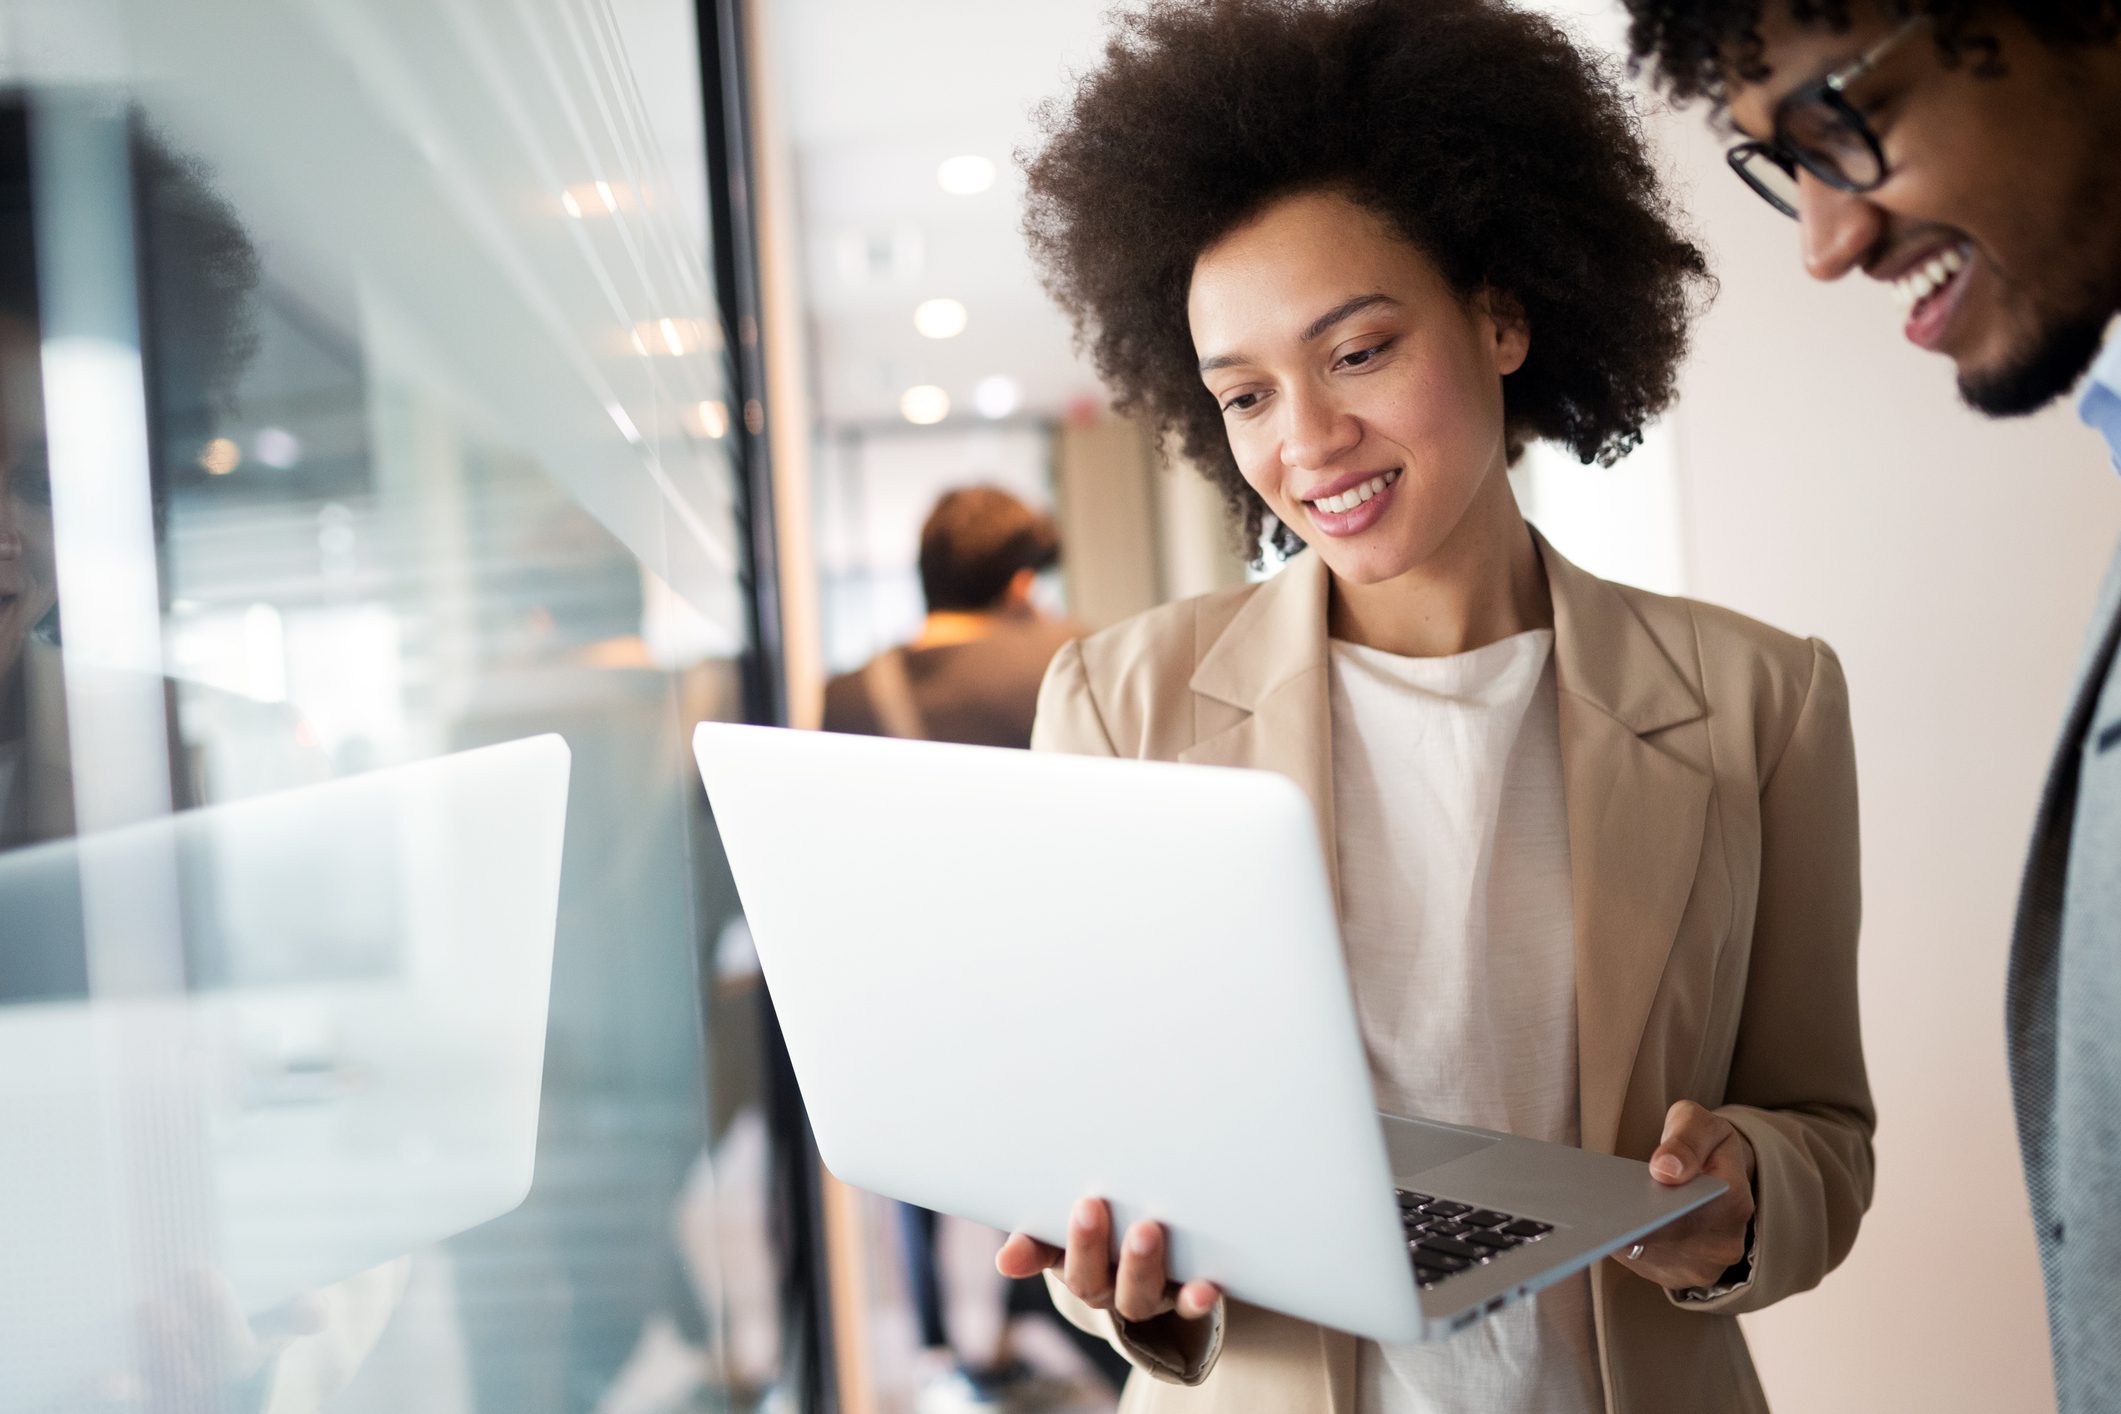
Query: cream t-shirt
{"x": 1454, "y": 883}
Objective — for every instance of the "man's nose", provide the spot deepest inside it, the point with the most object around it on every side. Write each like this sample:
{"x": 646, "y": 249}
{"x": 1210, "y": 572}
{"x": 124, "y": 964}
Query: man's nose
{"x": 1836, "y": 229}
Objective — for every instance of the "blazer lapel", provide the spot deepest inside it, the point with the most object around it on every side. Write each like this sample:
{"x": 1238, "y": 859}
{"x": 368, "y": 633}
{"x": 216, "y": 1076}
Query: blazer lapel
{"x": 1269, "y": 663}
{"x": 2030, "y": 995}
{"x": 1268, "y": 669}
{"x": 1636, "y": 816}
{"x": 2088, "y": 682}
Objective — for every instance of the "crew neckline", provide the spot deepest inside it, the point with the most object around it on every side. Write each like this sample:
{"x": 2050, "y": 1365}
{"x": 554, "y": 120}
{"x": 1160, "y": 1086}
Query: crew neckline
{"x": 1494, "y": 674}
{"x": 1531, "y": 639}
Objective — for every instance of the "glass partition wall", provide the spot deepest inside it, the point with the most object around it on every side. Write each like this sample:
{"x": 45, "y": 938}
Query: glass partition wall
{"x": 376, "y": 1030}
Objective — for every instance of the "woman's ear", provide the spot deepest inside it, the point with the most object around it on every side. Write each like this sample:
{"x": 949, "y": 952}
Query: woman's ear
{"x": 1509, "y": 335}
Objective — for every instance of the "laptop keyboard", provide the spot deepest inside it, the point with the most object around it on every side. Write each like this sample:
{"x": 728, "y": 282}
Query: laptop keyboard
{"x": 1445, "y": 1238}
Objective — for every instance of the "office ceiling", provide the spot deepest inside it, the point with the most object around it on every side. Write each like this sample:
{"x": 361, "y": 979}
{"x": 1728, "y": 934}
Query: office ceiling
{"x": 871, "y": 99}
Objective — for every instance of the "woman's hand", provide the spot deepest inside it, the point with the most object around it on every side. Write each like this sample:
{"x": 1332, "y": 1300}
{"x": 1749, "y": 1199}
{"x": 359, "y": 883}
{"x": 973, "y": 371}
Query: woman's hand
{"x": 1697, "y": 1249}
{"x": 1139, "y": 1290}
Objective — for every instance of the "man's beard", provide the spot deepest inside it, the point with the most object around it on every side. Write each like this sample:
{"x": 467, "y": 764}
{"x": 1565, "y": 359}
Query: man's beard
{"x": 2049, "y": 370}
{"x": 2069, "y": 329}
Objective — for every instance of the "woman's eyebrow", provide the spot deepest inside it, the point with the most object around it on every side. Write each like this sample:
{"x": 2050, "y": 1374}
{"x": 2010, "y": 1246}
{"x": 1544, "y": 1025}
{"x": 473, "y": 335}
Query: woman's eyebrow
{"x": 1346, "y": 309}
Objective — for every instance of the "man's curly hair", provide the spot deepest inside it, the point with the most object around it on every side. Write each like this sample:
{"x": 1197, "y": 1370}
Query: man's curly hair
{"x": 1698, "y": 48}
{"x": 1479, "y": 132}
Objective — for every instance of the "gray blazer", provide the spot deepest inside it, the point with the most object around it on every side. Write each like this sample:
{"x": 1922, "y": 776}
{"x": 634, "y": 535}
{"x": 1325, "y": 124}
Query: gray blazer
{"x": 2064, "y": 1014}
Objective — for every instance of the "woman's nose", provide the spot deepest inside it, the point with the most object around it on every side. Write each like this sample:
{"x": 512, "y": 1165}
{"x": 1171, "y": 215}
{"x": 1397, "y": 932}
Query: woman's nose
{"x": 1317, "y": 433}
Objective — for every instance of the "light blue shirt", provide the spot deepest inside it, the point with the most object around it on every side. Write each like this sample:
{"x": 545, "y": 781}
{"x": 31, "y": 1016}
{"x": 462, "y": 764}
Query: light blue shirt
{"x": 2100, "y": 407}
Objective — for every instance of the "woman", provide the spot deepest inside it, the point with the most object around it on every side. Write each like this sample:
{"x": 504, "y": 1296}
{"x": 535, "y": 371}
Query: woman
{"x": 1595, "y": 848}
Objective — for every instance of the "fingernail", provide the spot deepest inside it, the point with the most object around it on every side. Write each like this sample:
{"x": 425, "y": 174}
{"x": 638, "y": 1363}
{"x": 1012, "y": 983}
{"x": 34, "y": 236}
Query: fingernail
{"x": 1666, "y": 1166}
{"x": 1086, "y": 1214}
{"x": 1141, "y": 1242}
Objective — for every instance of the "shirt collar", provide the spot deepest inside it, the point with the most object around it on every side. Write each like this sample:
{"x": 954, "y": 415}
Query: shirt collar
{"x": 2100, "y": 407}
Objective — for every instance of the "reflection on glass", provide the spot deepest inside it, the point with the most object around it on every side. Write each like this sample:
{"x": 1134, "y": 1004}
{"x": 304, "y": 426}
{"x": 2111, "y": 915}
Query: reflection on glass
{"x": 329, "y": 457}
{"x": 355, "y": 1064}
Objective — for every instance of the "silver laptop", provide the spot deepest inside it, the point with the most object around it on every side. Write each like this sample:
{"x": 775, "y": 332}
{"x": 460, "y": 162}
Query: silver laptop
{"x": 1010, "y": 980}
{"x": 345, "y": 1065}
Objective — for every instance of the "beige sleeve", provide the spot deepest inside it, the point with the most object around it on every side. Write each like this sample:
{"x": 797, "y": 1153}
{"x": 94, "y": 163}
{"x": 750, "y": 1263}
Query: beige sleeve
{"x": 1798, "y": 1090}
{"x": 1169, "y": 1348}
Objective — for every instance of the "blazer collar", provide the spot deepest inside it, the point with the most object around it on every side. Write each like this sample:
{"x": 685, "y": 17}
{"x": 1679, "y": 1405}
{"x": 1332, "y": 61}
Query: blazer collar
{"x": 1279, "y": 635}
{"x": 1602, "y": 652}
{"x": 1269, "y": 663}
{"x": 1605, "y": 655}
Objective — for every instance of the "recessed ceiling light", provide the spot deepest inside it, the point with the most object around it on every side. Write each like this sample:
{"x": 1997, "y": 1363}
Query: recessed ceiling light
{"x": 276, "y": 447}
{"x": 671, "y": 338}
{"x": 924, "y": 404}
{"x": 968, "y": 175}
{"x": 585, "y": 200}
{"x": 940, "y": 318}
{"x": 997, "y": 396}
{"x": 711, "y": 419}
{"x": 220, "y": 457}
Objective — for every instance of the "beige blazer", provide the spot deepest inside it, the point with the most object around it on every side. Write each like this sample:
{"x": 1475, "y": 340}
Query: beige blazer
{"x": 1711, "y": 797}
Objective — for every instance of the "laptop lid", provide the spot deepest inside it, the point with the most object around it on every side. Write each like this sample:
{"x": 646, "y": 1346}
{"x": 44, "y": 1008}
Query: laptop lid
{"x": 1008, "y": 980}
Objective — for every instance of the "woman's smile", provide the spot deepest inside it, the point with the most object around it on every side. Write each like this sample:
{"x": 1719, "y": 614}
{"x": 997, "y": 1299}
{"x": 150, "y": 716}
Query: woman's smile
{"x": 1351, "y": 504}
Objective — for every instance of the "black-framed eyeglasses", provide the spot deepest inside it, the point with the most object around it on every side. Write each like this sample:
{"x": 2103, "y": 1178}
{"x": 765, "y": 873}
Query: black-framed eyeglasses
{"x": 1818, "y": 129}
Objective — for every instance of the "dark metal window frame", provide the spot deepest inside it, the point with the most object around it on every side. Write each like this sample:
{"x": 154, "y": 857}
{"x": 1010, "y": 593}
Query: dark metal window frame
{"x": 797, "y": 1212}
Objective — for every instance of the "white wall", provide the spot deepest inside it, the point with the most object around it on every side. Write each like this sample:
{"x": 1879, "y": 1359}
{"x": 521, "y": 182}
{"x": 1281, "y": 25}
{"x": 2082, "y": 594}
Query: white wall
{"x": 1830, "y": 483}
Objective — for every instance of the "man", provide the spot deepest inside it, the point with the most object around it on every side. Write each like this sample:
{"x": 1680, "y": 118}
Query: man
{"x": 1962, "y": 153}
{"x": 972, "y": 673}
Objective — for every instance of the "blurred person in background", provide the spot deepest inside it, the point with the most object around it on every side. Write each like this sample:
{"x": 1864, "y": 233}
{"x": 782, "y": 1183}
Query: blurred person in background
{"x": 1595, "y": 849}
{"x": 1962, "y": 155}
{"x": 971, "y": 675}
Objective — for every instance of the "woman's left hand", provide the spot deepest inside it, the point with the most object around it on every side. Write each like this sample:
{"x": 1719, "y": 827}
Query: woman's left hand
{"x": 1697, "y": 1249}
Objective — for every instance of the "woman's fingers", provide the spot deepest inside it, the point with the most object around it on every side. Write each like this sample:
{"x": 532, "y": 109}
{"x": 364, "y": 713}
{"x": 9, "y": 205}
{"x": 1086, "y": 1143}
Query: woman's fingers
{"x": 1139, "y": 1292}
{"x": 1025, "y": 1256}
{"x": 1696, "y": 1250}
{"x": 1197, "y": 1299}
{"x": 1691, "y": 1135}
{"x": 1087, "y": 1267}
{"x": 1675, "y": 1269}
{"x": 1138, "y": 1289}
